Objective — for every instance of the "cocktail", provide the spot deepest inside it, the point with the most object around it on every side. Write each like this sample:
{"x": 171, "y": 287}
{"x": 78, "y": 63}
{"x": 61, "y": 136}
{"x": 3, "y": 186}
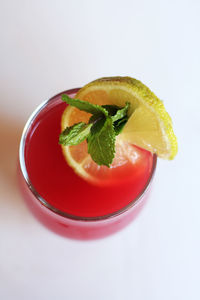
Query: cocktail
{"x": 90, "y": 195}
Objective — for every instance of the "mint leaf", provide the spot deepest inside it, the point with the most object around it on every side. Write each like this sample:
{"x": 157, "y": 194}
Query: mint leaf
{"x": 101, "y": 142}
{"x": 85, "y": 106}
{"x": 119, "y": 125}
{"x": 75, "y": 134}
{"x": 121, "y": 113}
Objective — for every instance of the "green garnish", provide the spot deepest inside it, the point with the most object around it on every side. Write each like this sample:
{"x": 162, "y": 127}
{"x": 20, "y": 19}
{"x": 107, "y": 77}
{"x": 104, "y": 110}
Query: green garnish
{"x": 106, "y": 122}
{"x": 75, "y": 134}
{"x": 84, "y": 105}
{"x": 101, "y": 142}
{"x": 121, "y": 113}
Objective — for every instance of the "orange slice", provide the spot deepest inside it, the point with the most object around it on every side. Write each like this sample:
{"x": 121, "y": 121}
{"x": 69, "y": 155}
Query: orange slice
{"x": 149, "y": 127}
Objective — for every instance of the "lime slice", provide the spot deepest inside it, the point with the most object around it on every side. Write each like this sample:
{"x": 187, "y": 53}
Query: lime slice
{"x": 149, "y": 125}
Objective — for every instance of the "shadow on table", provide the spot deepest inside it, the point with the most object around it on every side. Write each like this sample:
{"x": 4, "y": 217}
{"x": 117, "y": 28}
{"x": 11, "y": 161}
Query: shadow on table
{"x": 10, "y": 133}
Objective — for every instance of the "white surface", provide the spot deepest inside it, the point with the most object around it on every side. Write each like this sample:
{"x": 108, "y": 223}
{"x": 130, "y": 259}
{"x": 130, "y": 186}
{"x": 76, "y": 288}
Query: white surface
{"x": 50, "y": 46}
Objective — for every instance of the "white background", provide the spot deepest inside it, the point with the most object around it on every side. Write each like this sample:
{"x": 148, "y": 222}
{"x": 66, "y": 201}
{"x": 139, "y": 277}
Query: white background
{"x": 49, "y": 46}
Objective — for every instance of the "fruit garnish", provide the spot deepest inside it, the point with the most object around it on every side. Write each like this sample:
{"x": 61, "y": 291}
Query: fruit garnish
{"x": 146, "y": 123}
{"x": 106, "y": 122}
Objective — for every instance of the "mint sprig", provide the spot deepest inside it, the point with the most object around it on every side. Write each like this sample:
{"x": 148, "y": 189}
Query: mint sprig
{"x": 106, "y": 122}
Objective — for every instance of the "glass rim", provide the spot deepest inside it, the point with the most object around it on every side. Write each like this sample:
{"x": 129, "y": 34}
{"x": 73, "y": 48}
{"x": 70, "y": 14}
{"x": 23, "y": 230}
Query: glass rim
{"x": 44, "y": 202}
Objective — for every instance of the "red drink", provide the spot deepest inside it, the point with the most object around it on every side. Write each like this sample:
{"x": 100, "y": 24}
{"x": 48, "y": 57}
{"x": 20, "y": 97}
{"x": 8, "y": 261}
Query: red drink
{"x": 63, "y": 201}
